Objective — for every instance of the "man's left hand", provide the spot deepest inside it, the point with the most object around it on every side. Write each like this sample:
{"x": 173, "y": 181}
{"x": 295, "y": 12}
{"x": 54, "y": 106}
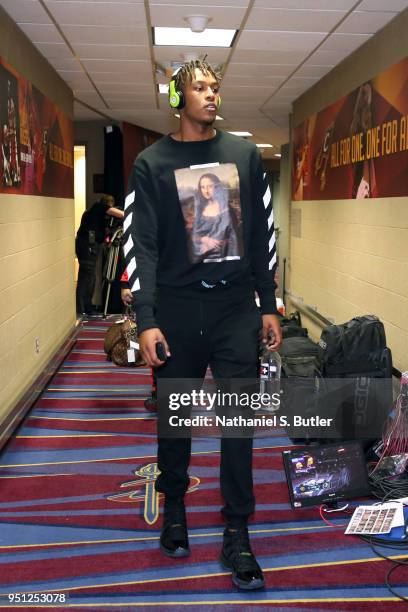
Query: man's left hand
{"x": 271, "y": 332}
{"x": 126, "y": 296}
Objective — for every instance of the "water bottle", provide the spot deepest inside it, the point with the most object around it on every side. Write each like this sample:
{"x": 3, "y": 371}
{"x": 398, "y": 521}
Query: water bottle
{"x": 269, "y": 374}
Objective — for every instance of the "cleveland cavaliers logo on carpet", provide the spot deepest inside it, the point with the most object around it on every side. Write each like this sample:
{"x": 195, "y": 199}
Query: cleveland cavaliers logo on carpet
{"x": 143, "y": 491}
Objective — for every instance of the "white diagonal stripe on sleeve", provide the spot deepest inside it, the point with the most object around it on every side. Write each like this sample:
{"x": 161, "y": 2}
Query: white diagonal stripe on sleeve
{"x": 131, "y": 267}
{"x": 135, "y": 286}
{"x": 267, "y": 197}
{"x": 272, "y": 262}
{"x": 271, "y": 242}
{"x": 129, "y": 199}
{"x": 270, "y": 220}
{"x": 128, "y": 245}
{"x": 127, "y": 222}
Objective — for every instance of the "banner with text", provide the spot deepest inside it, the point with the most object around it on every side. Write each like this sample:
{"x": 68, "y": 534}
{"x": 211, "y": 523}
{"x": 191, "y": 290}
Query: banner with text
{"x": 358, "y": 146}
{"x": 36, "y": 140}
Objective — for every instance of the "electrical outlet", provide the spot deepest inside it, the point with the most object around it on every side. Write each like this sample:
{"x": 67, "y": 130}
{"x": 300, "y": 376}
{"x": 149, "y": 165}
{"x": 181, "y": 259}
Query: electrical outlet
{"x": 37, "y": 345}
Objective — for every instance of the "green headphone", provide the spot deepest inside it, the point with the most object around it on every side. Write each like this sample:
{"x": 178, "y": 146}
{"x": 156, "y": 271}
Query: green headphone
{"x": 176, "y": 97}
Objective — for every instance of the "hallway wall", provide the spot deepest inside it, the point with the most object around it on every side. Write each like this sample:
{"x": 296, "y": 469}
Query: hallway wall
{"x": 37, "y": 297}
{"x": 350, "y": 257}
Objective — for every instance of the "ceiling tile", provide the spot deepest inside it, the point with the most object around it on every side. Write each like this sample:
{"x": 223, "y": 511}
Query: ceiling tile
{"x": 123, "y": 94}
{"x": 310, "y": 70}
{"x": 256, "y": 94}
{"x": 106, "y": 1}
{"x": 208, "y": 4}
{"x": 238, "y": 104}
{"x": 281, "y": 97}
{"x": 54, "y": 50}
{"x": 292, "y": 88}
{"x": 174, "y": 53}
{"x": 75, "y": 80}
{"x": 131, "y": 103}
{"x": 172, "y": 15}
{"x": 112, "y": 52}
{"x": 268, "y": 56}
{"x": 249, "y": 79}
{"x": 92, "y": 13}
{"x": 306, "y": 4}
{"x": 281, "y": 41}
{"x": 364, "y": 22}
{"x": 293, "y": 20}
{"x": 241, "y": 70}
{"x": 89, "y": 97}
{"x": 88, "y": 35}
{"x": 342, "y": 42}
{"x": 107, "y": 89}
{"x": 41, "y": 33}
{"x": 381, "y": 5}
{"x": 299, "y": 80}
{"x": 116, "y": 66}
{"x": 66, "y": 64}
{"x": 142, "y": 71}
{"x": 125, "y": 78}
{"x": 324, "y": 58}
{"x": 27, "y": 11}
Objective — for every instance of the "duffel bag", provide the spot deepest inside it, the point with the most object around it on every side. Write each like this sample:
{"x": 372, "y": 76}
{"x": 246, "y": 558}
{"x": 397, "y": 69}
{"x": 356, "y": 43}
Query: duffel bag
{"x": 352, "y": 347}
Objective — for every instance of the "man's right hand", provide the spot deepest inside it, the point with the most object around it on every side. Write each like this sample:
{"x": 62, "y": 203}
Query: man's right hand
{"x": 147, "y": 343}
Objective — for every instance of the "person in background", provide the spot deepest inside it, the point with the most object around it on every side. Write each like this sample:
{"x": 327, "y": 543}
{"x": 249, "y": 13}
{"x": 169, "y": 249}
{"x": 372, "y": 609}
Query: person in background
{"x": 90, "y": 236}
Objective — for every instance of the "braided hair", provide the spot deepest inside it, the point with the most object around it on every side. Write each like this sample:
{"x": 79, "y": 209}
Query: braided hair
{"x": 186, "y": 74}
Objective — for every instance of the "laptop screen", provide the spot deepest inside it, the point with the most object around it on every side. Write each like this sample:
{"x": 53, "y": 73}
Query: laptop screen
{"x": 327, "y": 473}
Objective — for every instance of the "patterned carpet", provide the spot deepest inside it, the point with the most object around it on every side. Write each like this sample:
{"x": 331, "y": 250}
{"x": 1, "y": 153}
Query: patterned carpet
{"x": 79, "y": 516}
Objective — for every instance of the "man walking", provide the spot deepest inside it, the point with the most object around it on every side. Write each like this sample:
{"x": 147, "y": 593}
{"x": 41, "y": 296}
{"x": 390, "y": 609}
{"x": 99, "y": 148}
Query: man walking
{"x": 196, "y": 253}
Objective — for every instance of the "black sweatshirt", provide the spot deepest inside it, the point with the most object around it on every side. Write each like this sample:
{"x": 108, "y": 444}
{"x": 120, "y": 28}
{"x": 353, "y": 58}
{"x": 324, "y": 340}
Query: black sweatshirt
{"x": 199, "y": 214}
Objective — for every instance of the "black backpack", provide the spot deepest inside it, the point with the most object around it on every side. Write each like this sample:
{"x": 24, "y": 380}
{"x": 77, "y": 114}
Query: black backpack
{"x": 299, "y": 357}
{"x": 355, "y": 348}
{"x": 292, "y": 325}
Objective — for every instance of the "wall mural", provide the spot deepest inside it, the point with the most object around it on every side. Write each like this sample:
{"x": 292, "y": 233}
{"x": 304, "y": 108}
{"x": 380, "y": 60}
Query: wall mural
{"x": 36, "y": 140}
{"x": 358, "y": 146}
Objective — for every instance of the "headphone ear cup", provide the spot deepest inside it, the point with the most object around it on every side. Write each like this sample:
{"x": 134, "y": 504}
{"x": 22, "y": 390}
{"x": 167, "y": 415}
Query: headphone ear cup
{"x": 182, "y": 101}
{"x": 219, "y": 102}
{"x": 175, "y": 97}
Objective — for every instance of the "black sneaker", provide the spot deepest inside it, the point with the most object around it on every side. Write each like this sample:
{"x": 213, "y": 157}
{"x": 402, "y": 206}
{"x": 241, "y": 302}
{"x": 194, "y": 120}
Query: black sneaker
{"x": 174, "y": 536}
{"x": 237, "y": 556}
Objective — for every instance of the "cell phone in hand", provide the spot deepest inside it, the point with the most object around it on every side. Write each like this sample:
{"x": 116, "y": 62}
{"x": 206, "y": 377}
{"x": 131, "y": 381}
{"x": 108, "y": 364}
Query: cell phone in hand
{"x": 161, "y": 351}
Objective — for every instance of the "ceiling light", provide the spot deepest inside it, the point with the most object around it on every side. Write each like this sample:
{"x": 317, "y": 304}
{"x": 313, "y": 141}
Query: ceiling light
{"x": 264, "y": 146}
{"x": 244, "y": 134}
{"x": 277, "y": 155}
{"x": 197, "y": 23}
{"x": 185, "y": 37}
{"x": 163, "y": 88}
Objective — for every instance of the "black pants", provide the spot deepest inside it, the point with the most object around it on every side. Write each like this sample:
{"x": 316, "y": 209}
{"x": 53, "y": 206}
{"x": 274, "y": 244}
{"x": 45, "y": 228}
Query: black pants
{"x": 222, "y": 332}
{"x": 87, "y": 256}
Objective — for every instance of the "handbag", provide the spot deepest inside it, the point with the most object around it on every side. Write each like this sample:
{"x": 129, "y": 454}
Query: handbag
{"x": 120, "y": 345}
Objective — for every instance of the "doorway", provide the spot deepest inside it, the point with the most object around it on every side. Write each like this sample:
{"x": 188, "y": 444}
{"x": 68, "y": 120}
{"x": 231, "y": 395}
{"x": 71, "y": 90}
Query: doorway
{"x": 79, "y": 189}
